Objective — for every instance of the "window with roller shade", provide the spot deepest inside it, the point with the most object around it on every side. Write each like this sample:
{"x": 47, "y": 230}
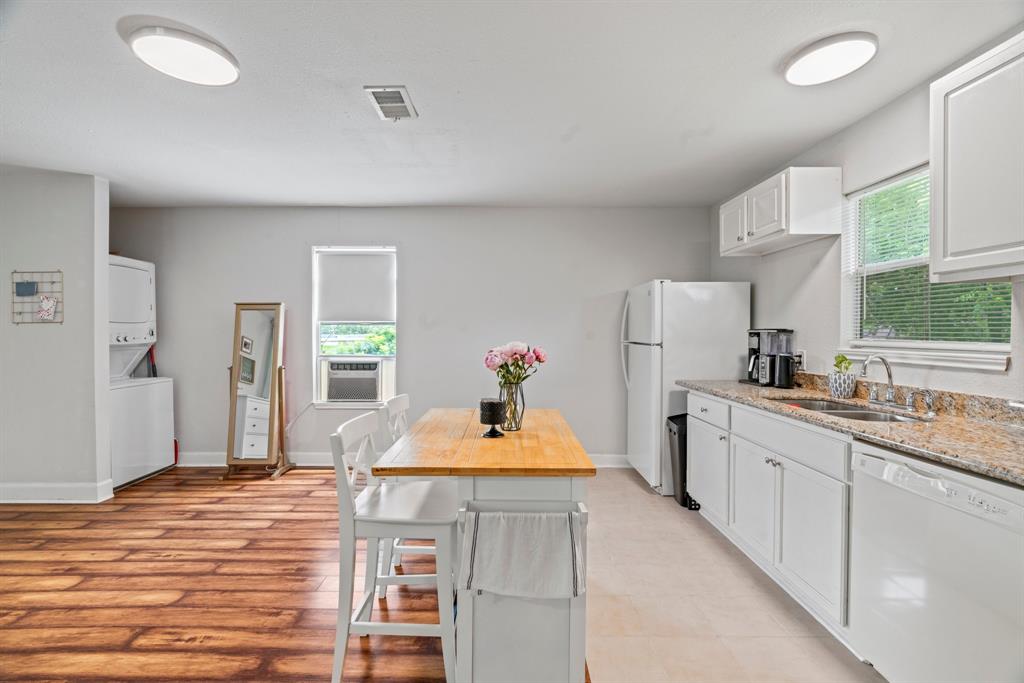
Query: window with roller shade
{"x": 354, "y": 310}
{"x": 885, "y": 248}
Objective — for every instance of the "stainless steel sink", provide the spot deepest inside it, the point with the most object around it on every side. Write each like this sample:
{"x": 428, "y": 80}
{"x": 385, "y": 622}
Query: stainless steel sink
{"x": 870, "y": 416}
{"x": 815, "y": 404}
{"x": 845, "y": 410}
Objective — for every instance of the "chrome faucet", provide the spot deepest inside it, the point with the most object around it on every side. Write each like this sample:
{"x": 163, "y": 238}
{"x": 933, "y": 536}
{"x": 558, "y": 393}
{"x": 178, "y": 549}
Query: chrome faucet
{"x": 890, "y": 392}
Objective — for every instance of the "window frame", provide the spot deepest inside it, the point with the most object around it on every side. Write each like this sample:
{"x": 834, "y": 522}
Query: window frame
{"x": 921, "y": 353}
{"x": 317, "y": 357}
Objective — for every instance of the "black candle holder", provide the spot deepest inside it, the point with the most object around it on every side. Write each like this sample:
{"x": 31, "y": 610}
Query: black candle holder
{"x": 492, "y": 412}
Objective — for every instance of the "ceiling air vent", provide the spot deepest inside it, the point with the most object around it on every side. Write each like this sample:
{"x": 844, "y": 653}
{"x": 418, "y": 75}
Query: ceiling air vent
{"x": 391, "y": 102}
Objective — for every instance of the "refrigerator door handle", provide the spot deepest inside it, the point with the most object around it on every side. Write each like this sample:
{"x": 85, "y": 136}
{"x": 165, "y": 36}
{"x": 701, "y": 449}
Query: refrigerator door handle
{"x": 622, "y": 340}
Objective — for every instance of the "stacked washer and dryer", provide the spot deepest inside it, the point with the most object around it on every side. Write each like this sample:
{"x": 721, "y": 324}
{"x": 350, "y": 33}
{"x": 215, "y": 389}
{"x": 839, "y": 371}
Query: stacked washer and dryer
{"x": 141, "y": 408}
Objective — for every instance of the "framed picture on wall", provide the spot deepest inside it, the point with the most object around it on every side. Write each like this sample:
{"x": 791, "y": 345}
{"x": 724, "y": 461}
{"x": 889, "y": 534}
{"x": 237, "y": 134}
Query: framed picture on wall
{"x": 247, "y": 372}
{"x": 246, "y": 345}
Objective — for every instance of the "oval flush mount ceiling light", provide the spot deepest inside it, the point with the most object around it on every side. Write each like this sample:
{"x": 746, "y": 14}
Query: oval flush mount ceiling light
{"x": 831, "y": 58}
{"x": 184, "y": 55}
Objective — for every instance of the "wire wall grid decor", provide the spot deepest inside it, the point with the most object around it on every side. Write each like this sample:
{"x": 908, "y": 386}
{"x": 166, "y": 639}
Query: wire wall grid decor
{"x": 37, "y": 296}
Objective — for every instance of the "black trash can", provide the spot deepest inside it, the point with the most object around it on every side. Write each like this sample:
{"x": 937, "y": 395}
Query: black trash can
{"x": 676, "y": 425}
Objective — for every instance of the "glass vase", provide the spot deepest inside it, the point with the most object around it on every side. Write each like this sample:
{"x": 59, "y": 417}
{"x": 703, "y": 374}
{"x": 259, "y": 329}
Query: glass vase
{"x": 515, "y": 405}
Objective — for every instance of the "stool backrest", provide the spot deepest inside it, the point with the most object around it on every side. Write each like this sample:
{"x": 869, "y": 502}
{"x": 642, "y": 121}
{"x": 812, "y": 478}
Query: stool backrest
{"x": 398, "y": 415}
{"x": 352, "y": 447}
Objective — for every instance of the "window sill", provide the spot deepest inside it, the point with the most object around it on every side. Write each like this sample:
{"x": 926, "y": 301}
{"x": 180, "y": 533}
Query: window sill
{"x": 984, "y": 357}
{"x": 347, "y": 405}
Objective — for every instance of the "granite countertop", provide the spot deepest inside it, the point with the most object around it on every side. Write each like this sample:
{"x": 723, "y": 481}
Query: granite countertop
{"x": 989, "y": 448}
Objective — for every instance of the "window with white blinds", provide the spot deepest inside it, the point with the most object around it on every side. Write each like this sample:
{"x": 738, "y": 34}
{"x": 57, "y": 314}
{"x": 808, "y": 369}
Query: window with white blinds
{"x": 354, "y": 316}
{"x": 885, "y": 253}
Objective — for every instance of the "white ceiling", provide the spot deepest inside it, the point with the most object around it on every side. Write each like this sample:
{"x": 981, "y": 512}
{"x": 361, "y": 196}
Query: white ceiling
{"x": 521, "y": 103}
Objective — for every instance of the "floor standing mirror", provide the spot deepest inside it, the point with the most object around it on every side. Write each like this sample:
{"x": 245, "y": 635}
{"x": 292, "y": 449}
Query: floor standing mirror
{"x": 256, "y": 415}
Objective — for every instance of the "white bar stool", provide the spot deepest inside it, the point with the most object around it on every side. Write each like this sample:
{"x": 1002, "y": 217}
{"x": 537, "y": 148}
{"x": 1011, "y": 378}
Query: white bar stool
{"x": 417, "y": 509}
{"x": 398, "y": 424}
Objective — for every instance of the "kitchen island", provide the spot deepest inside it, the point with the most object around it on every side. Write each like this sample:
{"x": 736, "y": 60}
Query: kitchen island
{"x": 541, "y": 468}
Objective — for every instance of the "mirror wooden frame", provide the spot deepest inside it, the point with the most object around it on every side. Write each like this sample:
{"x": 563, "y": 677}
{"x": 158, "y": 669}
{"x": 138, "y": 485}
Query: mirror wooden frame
{"x": 276, "y": 460}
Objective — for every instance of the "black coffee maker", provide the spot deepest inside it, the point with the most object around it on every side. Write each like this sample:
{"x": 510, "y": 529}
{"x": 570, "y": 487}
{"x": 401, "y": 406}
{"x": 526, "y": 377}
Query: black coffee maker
{"x": 770, "y": 360}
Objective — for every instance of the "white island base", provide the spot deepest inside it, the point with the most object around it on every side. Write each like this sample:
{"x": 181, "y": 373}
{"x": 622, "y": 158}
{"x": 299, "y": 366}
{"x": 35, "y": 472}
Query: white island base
{"x": 501, "y": 639}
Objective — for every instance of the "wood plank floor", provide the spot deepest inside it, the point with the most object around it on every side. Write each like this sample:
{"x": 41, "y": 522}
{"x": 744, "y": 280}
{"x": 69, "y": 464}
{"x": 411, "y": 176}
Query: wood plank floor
{"x": 185, "y": 577}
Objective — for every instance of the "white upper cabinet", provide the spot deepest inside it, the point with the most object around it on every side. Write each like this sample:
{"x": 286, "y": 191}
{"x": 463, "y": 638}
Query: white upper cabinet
{"x": 800, "y": 204}
{"x": 977, "y": 167}
{"x": 767, "y": 202}
{"x": 732, "y": 224}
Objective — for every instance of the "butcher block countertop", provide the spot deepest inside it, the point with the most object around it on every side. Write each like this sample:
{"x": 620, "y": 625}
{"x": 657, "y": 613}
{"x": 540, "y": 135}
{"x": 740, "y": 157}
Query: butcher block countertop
{"x": 446, "y": 442}
{"x": 988, "y": 448}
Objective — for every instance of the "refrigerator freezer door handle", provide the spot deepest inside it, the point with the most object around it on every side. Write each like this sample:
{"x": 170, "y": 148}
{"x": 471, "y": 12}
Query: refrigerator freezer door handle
{"x": 622, "y": 339}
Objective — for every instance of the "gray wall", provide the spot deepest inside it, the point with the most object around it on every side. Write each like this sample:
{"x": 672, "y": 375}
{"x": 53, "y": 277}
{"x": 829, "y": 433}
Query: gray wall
{"x": 468, "y": 279}
{"x": 54, "y": 419}
{"x": 801, "y": 287}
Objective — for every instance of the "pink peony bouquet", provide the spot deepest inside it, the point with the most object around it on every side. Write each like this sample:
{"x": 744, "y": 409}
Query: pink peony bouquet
{"x": 514, "y": 362}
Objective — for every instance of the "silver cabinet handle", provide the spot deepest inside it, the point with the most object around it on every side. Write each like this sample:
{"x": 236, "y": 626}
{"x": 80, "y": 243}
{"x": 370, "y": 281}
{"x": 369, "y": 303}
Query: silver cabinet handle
{"x": 703, "y": 410}
{"x": 750, "y": 233}
{"x": 739, "y": 238}
{"x": 722, "y": 438}
{"x": 767, "y": 461}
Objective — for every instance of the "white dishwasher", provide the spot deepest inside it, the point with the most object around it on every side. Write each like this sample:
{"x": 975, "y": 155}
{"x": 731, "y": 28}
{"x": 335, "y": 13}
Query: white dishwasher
{"x": 936, "y": 572}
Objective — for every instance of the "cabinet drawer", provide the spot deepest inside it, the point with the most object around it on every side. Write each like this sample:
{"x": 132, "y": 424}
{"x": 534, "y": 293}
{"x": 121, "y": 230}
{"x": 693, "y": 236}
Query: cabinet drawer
{"x": 254, "y": 446}
{"x": 817, "y": 451}
{"x": 257, "y": 409}
{"x": 709, "y": 410}
{"x": 256, "y": 425}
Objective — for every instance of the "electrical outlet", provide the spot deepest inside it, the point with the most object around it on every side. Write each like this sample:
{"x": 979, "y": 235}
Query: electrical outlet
{"x": 801, "y": 358}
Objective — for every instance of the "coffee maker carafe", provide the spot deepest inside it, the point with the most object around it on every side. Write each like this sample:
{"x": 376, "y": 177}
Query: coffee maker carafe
{"x": 764, "y": 348}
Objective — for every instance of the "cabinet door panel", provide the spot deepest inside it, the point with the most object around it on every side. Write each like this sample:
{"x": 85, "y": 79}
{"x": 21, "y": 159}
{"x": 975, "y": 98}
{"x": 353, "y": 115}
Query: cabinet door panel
{"x": 811, "y": 549}
{"x": 977, "y": 149}
{"x": 707, "y": 467}
{"x": 753, "y": 495}
{"x": 767, "y": 205}
{"x": 732, "y": 224}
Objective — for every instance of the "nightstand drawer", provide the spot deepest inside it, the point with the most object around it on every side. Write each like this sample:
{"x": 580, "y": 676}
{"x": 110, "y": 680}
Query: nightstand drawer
{"x": 254, "y": 445}
{"x": 257, "y": 408}
{"x": 256, "y": 425}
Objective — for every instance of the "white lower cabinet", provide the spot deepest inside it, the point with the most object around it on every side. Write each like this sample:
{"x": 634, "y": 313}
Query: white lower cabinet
{"x": 811, "y": 544}
{"x": 707, "y": 467}
{"x": 752, "y": 515}
{"x": 794, "y": 518}
{"x": 781, "y": 492}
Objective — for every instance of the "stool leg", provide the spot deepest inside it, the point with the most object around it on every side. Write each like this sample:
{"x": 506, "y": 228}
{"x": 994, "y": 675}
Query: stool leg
{"x": 370, "y": 577}
{"x": 444, "y": 544}
{"x": 346, "y": 578}
{"x": 384, "y": 568}
{"x": 397, "y": 559}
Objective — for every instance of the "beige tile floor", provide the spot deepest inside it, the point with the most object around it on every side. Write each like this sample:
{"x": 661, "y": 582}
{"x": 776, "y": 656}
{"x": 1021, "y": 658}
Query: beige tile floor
{"x": 670, "y": 599}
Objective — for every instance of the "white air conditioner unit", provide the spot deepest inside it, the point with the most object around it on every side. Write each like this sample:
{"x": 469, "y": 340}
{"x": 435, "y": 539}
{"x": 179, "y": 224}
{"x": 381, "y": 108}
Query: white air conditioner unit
{"x": 353, "y": 380}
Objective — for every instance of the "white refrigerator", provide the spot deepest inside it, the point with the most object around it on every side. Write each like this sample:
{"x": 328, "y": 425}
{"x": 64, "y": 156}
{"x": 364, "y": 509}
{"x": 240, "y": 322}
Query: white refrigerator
{"x": 671, "y": 331}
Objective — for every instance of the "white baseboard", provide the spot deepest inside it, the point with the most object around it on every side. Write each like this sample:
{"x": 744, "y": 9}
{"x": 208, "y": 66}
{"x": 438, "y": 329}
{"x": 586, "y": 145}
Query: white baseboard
{"x": 602, "y": 460}
{"x": 56, "y": 492}
{"x": 217, "y": 459}
{"x": 201, "y": 459}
